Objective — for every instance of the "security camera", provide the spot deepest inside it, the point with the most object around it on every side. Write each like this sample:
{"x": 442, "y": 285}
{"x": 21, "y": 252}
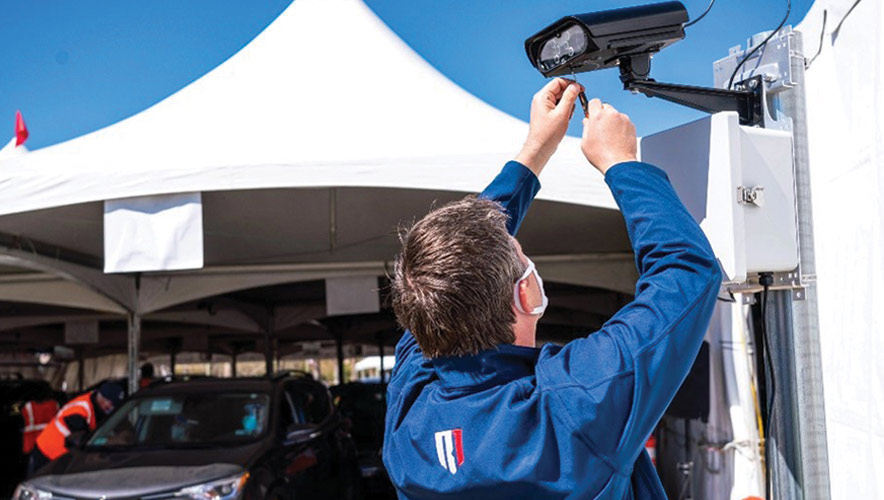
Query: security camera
{"x": 599, "y": 40}
{"x": 627, "y": 38}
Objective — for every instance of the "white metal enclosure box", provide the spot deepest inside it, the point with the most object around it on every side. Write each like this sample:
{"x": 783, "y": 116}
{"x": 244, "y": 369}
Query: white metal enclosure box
{"x": 737, "y": 182}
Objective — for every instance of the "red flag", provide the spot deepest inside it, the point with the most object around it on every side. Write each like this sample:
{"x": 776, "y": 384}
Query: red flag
{"x": 21, "y": 131}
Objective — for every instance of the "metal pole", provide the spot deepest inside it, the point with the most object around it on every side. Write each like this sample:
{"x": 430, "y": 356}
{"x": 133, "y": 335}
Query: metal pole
{"x": 134, "y": 341}
{"x": 172, "y": 356}
{"x": 233, "y": 364}
{"x": 783, "y": 445}
{"x": 796, "y": 448}
{"x": 805, "y": 316}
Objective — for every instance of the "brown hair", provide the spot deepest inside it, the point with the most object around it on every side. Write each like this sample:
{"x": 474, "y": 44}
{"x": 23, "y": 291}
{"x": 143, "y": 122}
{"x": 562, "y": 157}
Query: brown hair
{"x": 454, "y": 276}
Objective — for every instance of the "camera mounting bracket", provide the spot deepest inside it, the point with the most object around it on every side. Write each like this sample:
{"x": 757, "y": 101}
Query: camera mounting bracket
{"x": 634, "y": 70}
{"x": 792, "y": 280}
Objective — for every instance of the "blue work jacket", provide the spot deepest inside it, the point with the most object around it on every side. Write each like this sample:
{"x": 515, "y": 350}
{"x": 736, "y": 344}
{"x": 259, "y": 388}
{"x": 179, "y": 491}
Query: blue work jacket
{"x": 561, "y": 421}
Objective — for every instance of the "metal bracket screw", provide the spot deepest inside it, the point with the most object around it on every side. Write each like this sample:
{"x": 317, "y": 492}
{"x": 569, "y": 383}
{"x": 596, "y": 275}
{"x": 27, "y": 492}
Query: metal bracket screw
{"x": 750, "y": 196}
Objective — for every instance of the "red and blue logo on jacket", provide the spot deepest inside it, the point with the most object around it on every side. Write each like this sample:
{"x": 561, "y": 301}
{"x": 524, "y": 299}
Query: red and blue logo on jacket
{"x": 449, "y": 449}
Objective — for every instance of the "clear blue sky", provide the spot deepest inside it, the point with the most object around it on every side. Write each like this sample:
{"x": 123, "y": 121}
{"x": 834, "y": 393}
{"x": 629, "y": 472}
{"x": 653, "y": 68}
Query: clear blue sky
{"x": 75, "y": 67}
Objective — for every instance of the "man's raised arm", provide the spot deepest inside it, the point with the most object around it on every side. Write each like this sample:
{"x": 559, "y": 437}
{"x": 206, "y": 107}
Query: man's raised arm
{"x": 517, "y": 184}
{"x": 625, "y": 375}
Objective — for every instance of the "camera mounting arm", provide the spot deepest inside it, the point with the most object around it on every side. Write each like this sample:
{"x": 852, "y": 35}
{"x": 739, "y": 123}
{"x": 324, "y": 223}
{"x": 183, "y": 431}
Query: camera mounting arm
{"x": 634, "y": 72}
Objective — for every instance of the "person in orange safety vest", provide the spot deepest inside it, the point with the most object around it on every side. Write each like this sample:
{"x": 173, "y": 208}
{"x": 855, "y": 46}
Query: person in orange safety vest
{"x": 36, "y": 414}
{"x": 81, "y": 414}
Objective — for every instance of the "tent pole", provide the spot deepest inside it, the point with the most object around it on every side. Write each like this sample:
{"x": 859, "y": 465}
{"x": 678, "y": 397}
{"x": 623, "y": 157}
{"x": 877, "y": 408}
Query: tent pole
{"x": 381, "y": 356}
{"x": 268, "y": 351}
{"x": 339, "y": 344}
{"x": 268, "y": 341}
{"x": 233, "y": 364}
{"x": 81, "y": 370}
{"x": 172, "y": 356}
{"x": 278, "y": 354}
{"x": 134, "y": 341}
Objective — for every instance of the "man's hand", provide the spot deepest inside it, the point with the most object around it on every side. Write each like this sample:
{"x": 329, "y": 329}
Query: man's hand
{"x": 608, "y": 136}
{"x": 551, "y": 110}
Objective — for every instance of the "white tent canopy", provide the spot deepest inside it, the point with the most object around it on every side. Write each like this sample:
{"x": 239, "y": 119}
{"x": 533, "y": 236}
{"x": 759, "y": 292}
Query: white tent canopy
{"x": 12, "y": 149}
{"x": 299, "y": 106}
{"x": 305, "y": 166}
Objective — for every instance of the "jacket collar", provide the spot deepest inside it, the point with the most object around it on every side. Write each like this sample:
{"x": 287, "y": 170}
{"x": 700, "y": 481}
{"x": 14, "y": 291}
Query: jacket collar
{"x": 488, "y": 368}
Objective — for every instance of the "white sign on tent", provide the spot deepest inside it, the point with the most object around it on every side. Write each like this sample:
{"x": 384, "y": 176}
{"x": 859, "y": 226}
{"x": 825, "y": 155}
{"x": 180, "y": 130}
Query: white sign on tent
{"x": 153, "y": 233}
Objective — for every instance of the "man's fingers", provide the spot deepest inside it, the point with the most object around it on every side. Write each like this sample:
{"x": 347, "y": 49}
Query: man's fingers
{"x": 553, "y": 90}
{"x": 556, "y": 87}
{"x": 569, "y": 97}
{"x": 594, "y": 107}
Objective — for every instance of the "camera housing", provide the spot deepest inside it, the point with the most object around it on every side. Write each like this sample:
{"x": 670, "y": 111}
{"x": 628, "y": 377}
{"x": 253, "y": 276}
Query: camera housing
{"x": 627, "y": 38}
{"x": 599, "y": 40}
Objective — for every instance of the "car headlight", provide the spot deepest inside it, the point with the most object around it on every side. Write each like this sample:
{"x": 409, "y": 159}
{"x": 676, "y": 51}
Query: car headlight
{"x": 229, "y": 488}
{"x": 26, "y": 491}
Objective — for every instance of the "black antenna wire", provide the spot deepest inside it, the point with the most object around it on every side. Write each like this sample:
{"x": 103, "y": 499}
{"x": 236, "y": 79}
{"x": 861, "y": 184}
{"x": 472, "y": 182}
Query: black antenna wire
{"x": 822, "y": 37}
{"x": 730, "y": 82}
{"x": 835, "y": 32}
{"x": 696, "y": 20}
{"x": 849, "y": 11}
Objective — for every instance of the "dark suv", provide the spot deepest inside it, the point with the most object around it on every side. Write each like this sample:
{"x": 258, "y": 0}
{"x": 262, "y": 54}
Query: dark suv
{"x": 226, "y": 439}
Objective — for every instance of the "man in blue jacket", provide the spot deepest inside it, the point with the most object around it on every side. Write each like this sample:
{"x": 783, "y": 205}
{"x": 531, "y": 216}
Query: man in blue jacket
{"x": 474, "y": 409}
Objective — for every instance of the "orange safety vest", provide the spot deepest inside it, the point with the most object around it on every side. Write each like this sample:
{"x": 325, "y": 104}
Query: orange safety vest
{"x": 51, "y": 440}
{"x": 36, "y": 415}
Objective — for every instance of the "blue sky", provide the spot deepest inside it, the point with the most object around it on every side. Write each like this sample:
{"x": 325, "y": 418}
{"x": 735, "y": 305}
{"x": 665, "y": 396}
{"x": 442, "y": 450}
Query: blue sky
{"x": 75, "y": 67}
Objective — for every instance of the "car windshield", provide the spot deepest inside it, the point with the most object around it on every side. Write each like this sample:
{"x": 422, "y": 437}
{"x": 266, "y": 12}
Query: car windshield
{"x": 186, "y": 420}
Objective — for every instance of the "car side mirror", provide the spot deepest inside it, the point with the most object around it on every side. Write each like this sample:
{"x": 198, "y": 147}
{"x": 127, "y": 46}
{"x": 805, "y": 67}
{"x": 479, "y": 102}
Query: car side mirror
{"x": 76, "y": 440}
{"x": 301, "y": 433}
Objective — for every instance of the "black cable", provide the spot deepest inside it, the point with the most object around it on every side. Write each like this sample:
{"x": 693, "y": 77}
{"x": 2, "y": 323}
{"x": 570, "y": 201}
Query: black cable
{"x": 838, "y": 28}
{"x": 822, "y": 37}
{"x": 696, "y": 20}
{"x": 834, "y": 32}
{"x": 730, "y": 82}
{"x": 766, "y": 279}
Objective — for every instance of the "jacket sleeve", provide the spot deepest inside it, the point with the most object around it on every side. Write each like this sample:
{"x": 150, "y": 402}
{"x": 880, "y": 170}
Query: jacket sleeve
{"x": 76, "y": 423}
{"x": 514, "y": 188}
{"x": 618, "y": 381}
